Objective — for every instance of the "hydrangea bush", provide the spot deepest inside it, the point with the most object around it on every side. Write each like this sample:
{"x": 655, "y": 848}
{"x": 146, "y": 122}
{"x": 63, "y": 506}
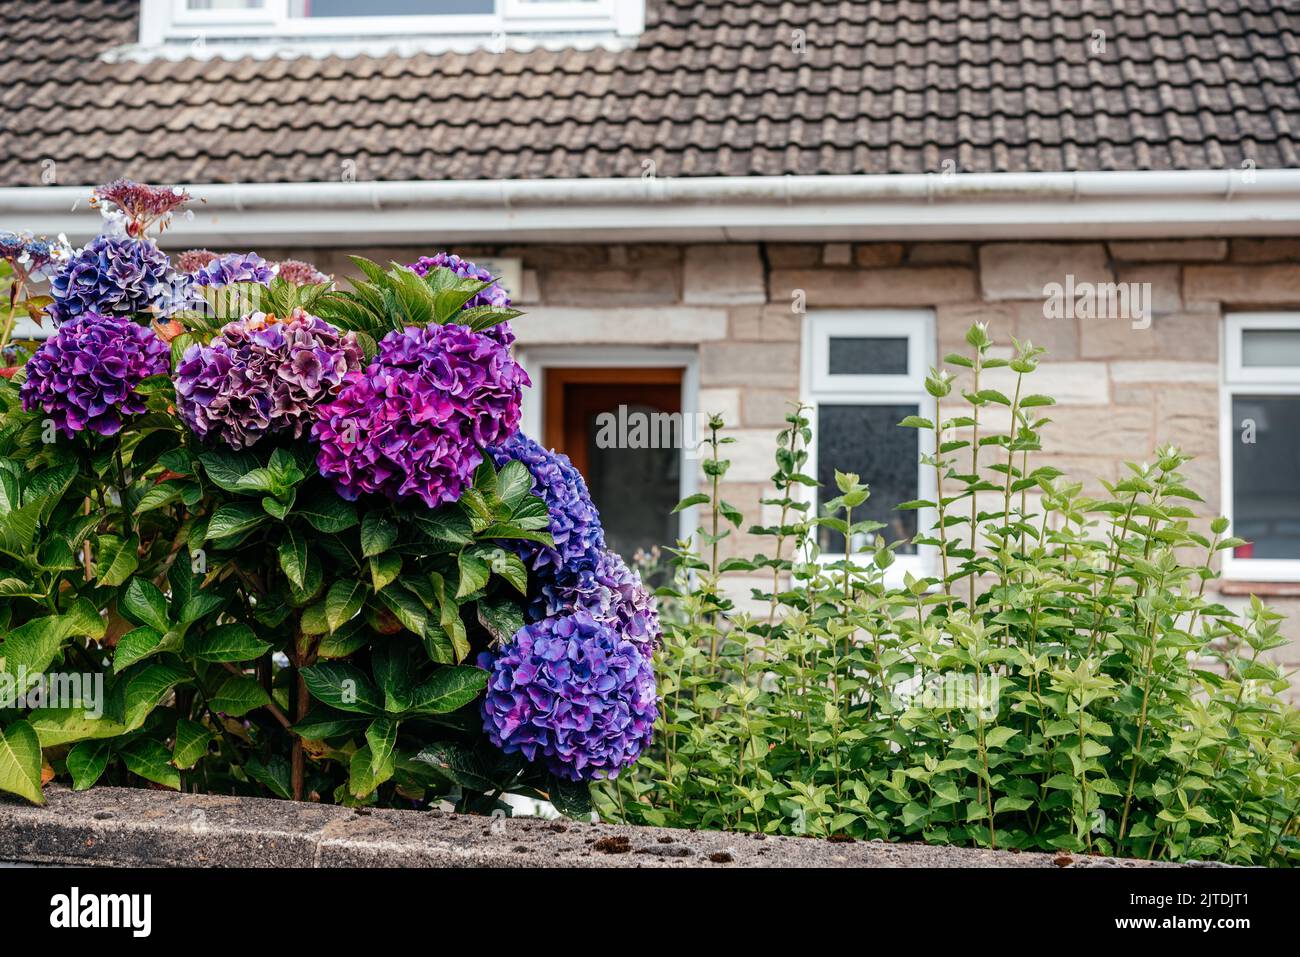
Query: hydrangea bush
{"x": 286, "y": 539}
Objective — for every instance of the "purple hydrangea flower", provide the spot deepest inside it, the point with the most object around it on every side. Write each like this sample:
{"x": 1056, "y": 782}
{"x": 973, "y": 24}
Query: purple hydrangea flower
{"x": 574, "y": 521}
{"x": 493, "y": 295}
{"x": 572, "y": 692}
{"x": 607, "y": 590}
{"x": 84, "y": 376}
{"x": 116, "y": 276}
{"x": 413, "y": 423}
{"x": 263, "y": 375}
{"x": 232, "y": 268}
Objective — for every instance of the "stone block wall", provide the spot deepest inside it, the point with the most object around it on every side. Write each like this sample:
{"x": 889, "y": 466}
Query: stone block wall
{"x": 1121, "y": 390}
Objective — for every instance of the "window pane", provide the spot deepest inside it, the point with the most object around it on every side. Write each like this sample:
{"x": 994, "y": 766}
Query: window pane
{"x": 391, "y": 8}
{"x": 1265, "y": 463}
{"x": 867, "y": 439}
{"x": 859, "y": 355}
{"x": 1270, "y": 347}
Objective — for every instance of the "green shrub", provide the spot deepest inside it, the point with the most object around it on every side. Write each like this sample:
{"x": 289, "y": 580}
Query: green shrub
{"x": 1071, "y": 686}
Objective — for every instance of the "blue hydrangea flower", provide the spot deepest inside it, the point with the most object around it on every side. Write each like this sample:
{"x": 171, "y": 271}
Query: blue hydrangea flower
{"x": 116, "y": 276}
{"x": 572, "y": 693}
{"x": 232, "y": 268}
{"x": 610, "y": 592}
{"x": 574, "y": 521}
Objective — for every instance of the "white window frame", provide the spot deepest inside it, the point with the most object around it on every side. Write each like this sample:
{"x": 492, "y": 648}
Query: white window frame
{"x": 820, "y": 386}
{"x": 1239, "y": 380}
{"x": 173, "y": 20}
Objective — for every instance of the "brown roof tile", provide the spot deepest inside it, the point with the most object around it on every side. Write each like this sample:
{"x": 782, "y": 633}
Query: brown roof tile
{"x": 712, "y": 88}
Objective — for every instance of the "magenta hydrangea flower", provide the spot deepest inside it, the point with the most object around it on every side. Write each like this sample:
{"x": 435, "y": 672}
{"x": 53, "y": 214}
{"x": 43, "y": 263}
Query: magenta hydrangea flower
{"x": 493, "y": 295}
{"x": 571, "y": 692}
{"x": 413, "y": 424}
{"x": 263, "y": 375}
{"x": 232, "y": 268}
{"x": 574, "y": 521}
{"x": 84, "y": 376}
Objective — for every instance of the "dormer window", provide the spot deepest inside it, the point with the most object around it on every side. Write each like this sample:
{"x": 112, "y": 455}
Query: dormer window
{"x": 324, "y": 26}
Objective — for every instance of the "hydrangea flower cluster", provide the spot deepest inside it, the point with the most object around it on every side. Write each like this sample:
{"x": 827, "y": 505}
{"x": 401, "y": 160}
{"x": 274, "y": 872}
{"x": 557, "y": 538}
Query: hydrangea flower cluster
{"x": 574, "y": 521}
{"x": 136, "y": 207}
{"x": 573, "y": 693}
{"x": 33, "y": 257}
{"x": 610, "y": 592}
{"x": 299, "y": 273}
{"x": 493, "y": 295}
{"x": 413, "y": 423}
{"x": 116, "y": 276}
{"x": 192, "y": 260}
{"x": 84, "y": 376}
{"x": 232, "y": 268}
{"x": 578, "y": 580}
{"x": 263, "y": 375}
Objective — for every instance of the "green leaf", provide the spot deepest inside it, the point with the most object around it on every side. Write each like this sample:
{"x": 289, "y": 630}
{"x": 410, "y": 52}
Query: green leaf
{"x": 328, "y": 513}
{"x": 87, "y": 762}
{"x": 116, "y": 560}
{"x": 151, "y": 760}
{"x": 192, "y": 740}
{"x": 144, "y": 604}
{"x": 997, "y": 737}
{"x": 571, "y": 798}
{"x": 363, "y": 778}
{"x": 384, "y": 570}
{"x": 344, "y": 600}
{"x": 474, "y": 574}
{"x": 699, "y": 498}
{"x": 56, "y": 726}
{"x": 378, "y": 534}
{"x": 20, "y": 762}
{"x": 234, "y": 519}
{"x": 514, "y": 482}
{"x": 275, "y": 776}
{"x": 381, "y": 736}
{"x": 136, "y": 645}
{"x": 501, "y": 619}
{"x": 146, "y": 689}
{"x": 238, "y": 695}
{"x": 344, "y": 687}
{"x": 448, "y": 525}
{"x": 160, "y": 496}
{"x": 225, "y": 467}
{"x": 229, "y": 643}
{"x": 325, "y": 722}
{"x": 34, "y": 644}
{"x": 451, "y": 687}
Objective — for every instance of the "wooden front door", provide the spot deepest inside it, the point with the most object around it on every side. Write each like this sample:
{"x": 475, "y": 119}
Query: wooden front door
{"x": 635, "y": 478}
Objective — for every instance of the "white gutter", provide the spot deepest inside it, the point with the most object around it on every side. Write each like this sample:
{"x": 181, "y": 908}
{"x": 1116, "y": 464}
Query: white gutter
{"x": 924, "y": 206}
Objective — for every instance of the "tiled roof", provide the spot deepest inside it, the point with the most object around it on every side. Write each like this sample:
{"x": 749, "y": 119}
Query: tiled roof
{"x": 713, "y": 87}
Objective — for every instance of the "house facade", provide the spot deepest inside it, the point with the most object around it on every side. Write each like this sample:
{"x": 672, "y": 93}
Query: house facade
{"x": 719, "y": 207}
